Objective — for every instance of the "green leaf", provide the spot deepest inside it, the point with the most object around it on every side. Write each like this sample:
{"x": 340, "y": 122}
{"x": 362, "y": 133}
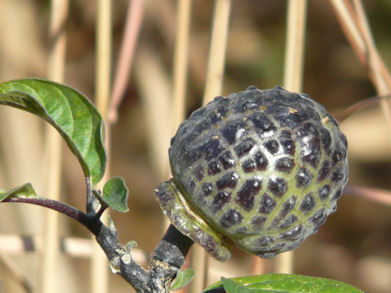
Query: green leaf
{"x": 183, "y": 278}
{"x": 283, "y": 283}
{"x": 25, "y": 190}
{"x": 69, "y": 111}
{"x": 115, "y": 194}
{"x": 231, "y": 286}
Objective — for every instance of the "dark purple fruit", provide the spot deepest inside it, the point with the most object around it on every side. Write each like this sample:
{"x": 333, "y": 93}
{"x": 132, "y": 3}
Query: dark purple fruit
{"x": 261, "y": 169}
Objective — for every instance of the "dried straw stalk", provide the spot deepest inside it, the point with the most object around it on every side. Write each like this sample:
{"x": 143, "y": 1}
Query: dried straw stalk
{"x": 124, "y": 65}
{"x": 213, "y": 88}
{"x": 354, "y": 23}
{"x": 181, "y": 62}
{"x": 53, "y": 154}
{"x": 293, "y": 79}
{"x": 99, "y": 273}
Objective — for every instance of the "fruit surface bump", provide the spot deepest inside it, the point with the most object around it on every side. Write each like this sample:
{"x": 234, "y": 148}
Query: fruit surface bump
{"x": 261, "y": 169}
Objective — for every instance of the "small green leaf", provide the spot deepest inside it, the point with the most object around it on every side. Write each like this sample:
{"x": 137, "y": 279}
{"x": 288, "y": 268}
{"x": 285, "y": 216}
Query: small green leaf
{"x": 69, "y": 111}
{"x": 283, "y": 283}
{"x": 25, "y": 190}
{"x": 183, "y": 278}
{"x": 115, "y": 194}
{"x": 131, "y": 244}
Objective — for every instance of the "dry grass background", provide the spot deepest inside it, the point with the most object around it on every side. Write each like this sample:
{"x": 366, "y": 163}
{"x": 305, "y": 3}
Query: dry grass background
{"x": 354, "y": 244}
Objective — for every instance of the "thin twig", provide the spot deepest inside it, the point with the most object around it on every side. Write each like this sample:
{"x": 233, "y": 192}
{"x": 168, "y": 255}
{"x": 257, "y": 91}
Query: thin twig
{"x": 357, "y": 31}
{"x": 293, "y": 79}
{"x": 374, "y": 194}
{"x": 126, "y": 56}
{"x": 100, "y": 211}
{"x": 346, "y": 113}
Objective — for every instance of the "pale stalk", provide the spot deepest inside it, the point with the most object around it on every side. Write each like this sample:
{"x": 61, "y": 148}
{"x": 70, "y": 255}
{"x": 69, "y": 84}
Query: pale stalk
{"x": 53, "y": 155}
{"x": 356, "y": 28}
{"x": 181, "y": 52}
{"x": 380, "y": 73}
{"x": 351, "y": 31}
{"x": 99, "y": 265}
{"x": 293, "y": 79}
{"x": 181, "y": 61}
{"x": 217, "y": 49}
{"x": 213, "y": 88}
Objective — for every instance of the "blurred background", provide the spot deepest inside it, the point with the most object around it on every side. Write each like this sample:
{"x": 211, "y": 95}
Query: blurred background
{"x": 353, "y": 246}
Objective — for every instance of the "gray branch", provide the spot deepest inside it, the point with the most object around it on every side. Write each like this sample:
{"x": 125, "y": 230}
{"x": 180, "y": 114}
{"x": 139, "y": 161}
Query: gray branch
{"x": 169, "y": 256}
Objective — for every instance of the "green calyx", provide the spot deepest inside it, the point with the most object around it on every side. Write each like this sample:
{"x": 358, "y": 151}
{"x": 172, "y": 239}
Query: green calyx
{"x": 188, "y": 222}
